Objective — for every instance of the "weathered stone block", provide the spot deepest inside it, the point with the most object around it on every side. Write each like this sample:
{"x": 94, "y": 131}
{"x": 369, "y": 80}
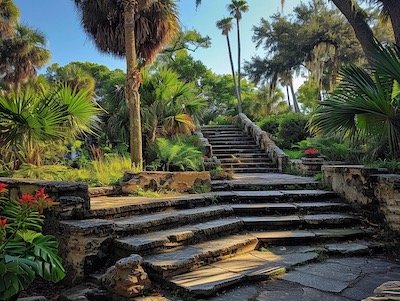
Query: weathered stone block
{"x": 127, "y": 277}
{"x": 187, "y": 181}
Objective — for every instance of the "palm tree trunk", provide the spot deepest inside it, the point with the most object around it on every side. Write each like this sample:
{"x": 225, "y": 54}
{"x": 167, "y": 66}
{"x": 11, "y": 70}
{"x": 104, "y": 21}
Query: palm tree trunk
{"x": 295, "y": 103}
{"x": 393, "y": 8}
{"x": 233, "y": 73}
{"x": 361, "y": 28}
{"x": 288, "y": 97}
{"x": 239, "y": 69}
{"x": 133, "y": 82}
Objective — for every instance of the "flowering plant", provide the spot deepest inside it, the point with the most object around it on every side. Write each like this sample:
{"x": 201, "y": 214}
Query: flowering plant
{"x": 311, "y": 152}
{"x": 25, "y": 253}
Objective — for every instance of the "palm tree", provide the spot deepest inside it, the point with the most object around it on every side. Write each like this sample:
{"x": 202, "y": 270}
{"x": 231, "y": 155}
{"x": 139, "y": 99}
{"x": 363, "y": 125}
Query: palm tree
{"x": 22, "y": 55}
{"x": 236, "y": 9}
{"x": 136, "y": 29}
{"x": 225, "y": 25}
{"x": 366, "y": 104}
{"x": 77, "y": 78}
{"x": 28, "y": 119}
{"x": 9, "y": 14}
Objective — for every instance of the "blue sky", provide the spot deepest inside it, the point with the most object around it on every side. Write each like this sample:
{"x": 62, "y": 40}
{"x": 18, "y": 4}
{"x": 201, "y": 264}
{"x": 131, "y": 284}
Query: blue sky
{"x": 59, "y": 21}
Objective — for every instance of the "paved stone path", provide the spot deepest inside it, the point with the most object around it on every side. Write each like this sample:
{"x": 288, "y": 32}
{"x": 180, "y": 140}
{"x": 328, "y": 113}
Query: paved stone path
{"x": 335, "y": 279}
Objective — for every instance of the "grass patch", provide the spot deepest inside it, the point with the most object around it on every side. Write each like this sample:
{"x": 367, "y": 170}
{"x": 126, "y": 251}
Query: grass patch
{"x": 294, "y": 153}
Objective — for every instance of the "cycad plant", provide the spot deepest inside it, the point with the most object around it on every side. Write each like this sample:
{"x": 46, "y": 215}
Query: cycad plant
{"x": 29, "y": 119}
{"x": 365, "y": 106}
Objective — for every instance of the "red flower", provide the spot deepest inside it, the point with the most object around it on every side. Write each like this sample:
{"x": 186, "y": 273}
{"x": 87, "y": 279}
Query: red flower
{"x": 43, "y": 201}
{"x": 3, "y": 187}
{"x": 3, "y": 222}
{"x": 27, "y": 199}
{"x": 311, "y": 151}
{"x": 41, "y": 194}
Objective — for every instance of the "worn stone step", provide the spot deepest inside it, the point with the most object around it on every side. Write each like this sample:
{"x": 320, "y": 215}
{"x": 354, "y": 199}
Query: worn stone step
{"x": 238, "y": 185}
{"x": 151, "y": 242}
{"x": 226, "y": 132}
{"x": 327, "y": 220}
{"x": 249, "y": 155}
{"x": 295, "y": 237}
{"x": 234, "y": 144}
{"x": 218, "y": 126}
{"x": 208, "y": 280}
{"x": 253, "y": 169}
{"x": 235, "y": 165}
{"x": 284, "y": 208}
{"x": 235, "y": 151}
{"x": 245, "y": 160}
{"x": 156, "y": 221}
{"x": 223, "y": 140}
{"x": 185, "y": 259}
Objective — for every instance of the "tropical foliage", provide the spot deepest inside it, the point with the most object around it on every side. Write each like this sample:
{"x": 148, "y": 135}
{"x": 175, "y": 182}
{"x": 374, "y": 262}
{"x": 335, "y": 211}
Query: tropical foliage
{"x": 365, "y": 105}
{"x": 25, "y": 253}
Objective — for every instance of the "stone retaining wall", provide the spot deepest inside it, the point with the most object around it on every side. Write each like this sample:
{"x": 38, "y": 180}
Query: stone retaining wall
{"x": 264, "y": 140}
{"x": 72, "y": 197}
{"x": 187, "y": 181}
{"x": 368, "y": 188}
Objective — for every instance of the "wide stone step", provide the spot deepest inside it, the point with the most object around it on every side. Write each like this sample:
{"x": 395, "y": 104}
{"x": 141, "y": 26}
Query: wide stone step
{"x": 260, "y": 159}
{"x": 299, "y": 221}
{"x": 221, "y": 185}
{"x": 249, "y": 155}
{"x": 235, "y": 151}
{"x": 219, "y": 126}
{"x": 223, "y": 132}
{"x": 151, "y": 242}
{"x": 186, "y": 259}
{"x": 253, "y": 266}
{"x": 274, "y": 208}
{"x": 253, "y": 169}
{"x": 284, "y": 195}
{"x": 240, "y": 140}
{"x": 296, "y": 237}
{"x": 234, "y": 146}
{"x": 247, "y": 164}
{"x": 157, "y": 221}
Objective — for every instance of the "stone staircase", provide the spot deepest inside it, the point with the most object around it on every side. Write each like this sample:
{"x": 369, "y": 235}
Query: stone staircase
{"x": 237, "y": 151}
{"x": 202, "y": 244}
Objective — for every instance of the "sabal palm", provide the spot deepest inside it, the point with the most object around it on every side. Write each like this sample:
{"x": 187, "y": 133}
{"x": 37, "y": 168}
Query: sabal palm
{"x": 29, "y": 118}
{"x": 236, "y": 9}
{"x": 225, "y": 25}
{"x": 267, "y": 102}
{"x": 366, "y": 104}
{"x": 22, "y": 55}
{"x": 9, "y": 14}
{"x": 136, "y": 29}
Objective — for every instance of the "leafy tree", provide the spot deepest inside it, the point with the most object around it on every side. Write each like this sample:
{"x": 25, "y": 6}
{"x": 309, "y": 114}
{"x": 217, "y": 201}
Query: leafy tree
{"x": 365, "y": 105}
{"x": 21, "y": 56}
{"x": 137, "y": 30}
{"x": 236, "y": 9}
{"x": 189, "y": 40}
{"x": 226, "y": 26}
{"x": 309, "y": 95}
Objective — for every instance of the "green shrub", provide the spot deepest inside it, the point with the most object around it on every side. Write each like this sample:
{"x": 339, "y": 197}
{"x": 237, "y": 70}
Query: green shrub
{"x": 333, "y": 149}
{"x": 287, "y": 129}
{"x": 222, "y": 120}
{"x": 176, "y": 155}
{"x": 391, "y": 165}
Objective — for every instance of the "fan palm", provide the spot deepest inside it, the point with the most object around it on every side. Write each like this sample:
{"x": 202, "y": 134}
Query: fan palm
{"x": 9, "y": 14}
{"x": 22, "y": 55}
{"x": 266, "y": 103}
{"x": 136, "y": 29}
{"x": 29, "y": 118}
{"x": 225, "y": 25}
{"x": 236, "y": 9}
{"x": 366, "y": 104}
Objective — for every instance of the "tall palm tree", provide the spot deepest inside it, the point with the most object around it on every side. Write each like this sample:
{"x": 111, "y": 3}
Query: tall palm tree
{"x": 22, "y": 55}
{"x": 136, "y": 29}
{"x": 236, "y": 9}
{"x": 9, "y": 14}
{"x": 365, "y": 105}
{"x": 225, "y": 25}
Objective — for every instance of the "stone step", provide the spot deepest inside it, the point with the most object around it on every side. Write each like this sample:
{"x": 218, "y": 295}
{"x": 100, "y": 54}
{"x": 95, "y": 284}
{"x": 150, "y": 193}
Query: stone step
{"x": 235, "y": 165}
{"x": 253, "y": 169}
{"x": 295, "y": 221}
{"x": 225, "y": 136}
{"x": 234, "y": 146}
{"x": 249, "y": 155}
{"x": 219, "y": 126}
{"x": 296, "y": 237}
{"x": 245, "y": 160}
{"x": 215, "y": 139}
{"x": 222, "y": 185}
{"x": 284, "y": 208}
{"x": 241, "y": 140}
{"x": 235, "y": 151}
{"x": 185, "y": 259}
{"x": 257, "y": 266}
{"x": 223, "y": 132}
{"x": 301, "y": 195}
{"x": 157, "y": 221}
{"x": 152, "y": 242}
